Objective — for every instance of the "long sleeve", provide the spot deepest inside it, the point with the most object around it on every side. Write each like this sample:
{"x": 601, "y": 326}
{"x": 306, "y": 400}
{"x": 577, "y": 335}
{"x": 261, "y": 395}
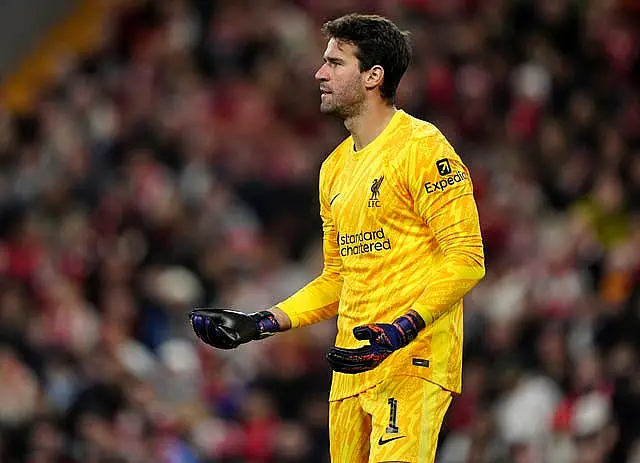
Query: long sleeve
{"x": 318, "y": 300}
{"x": 443, "y": 197}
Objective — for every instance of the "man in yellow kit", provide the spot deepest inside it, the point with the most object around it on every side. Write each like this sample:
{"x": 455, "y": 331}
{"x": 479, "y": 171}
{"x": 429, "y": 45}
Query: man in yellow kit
{"x": 402, "y": 246}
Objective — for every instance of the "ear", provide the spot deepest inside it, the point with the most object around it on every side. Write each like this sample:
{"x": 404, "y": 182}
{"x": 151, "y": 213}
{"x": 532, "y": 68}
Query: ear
{"x": 374, "y": 77}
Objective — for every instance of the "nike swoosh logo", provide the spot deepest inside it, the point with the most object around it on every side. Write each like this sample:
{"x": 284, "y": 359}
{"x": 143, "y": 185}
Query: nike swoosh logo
{"x": 386, "y": 441}
{"x": 334, "y": 198}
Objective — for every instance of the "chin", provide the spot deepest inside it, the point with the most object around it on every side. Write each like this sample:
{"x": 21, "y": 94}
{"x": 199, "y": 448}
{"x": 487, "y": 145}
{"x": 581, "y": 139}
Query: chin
{"x": 331, "y": 110}
{"x": 327, "y": 109}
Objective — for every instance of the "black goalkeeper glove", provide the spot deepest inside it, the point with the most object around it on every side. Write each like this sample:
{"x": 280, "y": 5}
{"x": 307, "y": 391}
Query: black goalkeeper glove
{"x": 384, "y": 339}
{"x": 227, "y": 329}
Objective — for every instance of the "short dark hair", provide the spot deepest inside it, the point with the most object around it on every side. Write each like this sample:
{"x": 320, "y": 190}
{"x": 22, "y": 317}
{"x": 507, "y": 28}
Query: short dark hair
{"x": 379, "y": 42}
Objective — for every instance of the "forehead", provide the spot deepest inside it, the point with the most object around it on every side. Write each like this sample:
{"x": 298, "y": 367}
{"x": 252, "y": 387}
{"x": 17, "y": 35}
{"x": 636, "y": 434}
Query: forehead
{"x": 340, "y": 49}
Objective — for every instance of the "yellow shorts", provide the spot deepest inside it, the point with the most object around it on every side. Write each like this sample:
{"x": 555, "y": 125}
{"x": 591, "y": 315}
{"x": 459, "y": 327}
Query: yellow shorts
{"x": 396, "y": 421}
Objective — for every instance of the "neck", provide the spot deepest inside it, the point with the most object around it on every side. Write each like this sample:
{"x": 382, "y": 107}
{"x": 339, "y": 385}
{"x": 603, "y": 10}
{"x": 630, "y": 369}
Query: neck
{"x": 369, "y": 123}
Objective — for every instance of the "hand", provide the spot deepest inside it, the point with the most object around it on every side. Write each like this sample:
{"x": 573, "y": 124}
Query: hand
{"x": 384, "y": 339}
{"x": 227, "y": 329}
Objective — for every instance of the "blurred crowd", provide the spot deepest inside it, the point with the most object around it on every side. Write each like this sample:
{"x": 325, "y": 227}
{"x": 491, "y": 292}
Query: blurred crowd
{"x": 176, "y": 166}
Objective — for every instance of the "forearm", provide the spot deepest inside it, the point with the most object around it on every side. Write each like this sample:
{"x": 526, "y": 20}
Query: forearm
{"x": 316, "y": 302}
{"x": 448, "y": 283}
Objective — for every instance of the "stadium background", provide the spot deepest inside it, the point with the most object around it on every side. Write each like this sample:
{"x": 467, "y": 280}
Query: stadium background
{"x": 172, "y": 159}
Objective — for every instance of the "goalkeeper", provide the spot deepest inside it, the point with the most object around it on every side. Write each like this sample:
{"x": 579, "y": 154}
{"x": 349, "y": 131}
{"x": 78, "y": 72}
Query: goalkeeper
{"x": 402, "y": 246}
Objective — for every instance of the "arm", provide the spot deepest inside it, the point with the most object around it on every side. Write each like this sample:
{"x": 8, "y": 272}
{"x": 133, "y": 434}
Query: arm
{"x": 445, "y": 202}
{"x": 318, "y": 300}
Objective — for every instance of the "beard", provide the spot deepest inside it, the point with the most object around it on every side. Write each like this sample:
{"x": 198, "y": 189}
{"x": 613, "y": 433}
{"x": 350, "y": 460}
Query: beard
{"x": 343, "y": 104}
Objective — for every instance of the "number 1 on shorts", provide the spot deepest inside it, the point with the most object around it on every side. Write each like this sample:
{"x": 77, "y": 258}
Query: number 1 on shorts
{"x": 393, "y": 416}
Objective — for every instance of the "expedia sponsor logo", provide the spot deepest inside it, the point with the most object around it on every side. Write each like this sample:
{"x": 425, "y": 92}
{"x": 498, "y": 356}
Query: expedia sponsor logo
{"x": 363, "y": 242}
{"x": 444, "y": 167}
{"x": 444, "y": 183}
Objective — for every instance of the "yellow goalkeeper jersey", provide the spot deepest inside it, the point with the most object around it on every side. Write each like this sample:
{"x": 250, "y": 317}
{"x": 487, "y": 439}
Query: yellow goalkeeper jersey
{"x": 400, "y": 232}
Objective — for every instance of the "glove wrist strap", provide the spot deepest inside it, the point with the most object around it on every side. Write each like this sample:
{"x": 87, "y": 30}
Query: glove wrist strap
{"x": 266, "y": 323}
{"x": 409, "y": 326}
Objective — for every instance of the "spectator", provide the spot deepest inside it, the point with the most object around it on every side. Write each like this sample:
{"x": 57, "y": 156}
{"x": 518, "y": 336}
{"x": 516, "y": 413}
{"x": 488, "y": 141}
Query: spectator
{"x": 125, "y": 200}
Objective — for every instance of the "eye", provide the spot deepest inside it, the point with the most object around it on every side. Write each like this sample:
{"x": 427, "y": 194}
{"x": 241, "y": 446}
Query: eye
{"x": 332, "y": 62}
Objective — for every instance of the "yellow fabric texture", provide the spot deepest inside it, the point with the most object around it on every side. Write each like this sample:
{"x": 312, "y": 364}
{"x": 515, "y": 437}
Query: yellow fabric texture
{"x": 400, "y": 232}
{"x": 397, "y": 420}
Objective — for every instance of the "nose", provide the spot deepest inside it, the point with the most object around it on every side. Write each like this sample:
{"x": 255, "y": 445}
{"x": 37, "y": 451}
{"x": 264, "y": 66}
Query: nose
{"x": 321, "y": 73}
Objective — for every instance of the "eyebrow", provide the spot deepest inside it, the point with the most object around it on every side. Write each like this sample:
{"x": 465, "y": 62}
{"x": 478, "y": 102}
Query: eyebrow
{"x": 332, "y": 59}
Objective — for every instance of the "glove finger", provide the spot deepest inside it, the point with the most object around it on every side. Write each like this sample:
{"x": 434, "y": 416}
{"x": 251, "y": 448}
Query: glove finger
{"x": 361, "y": 359}
{"x": 220, "y": 336}
{"x": 364, "y": 332}
{"x": 350, "y": 357}
{"x": 207, "y": 331}
{"x": 349, "y": 353}
{"x": 212, "y": 311}
{"x": 197, "y": 324}
{"x": 348, "y": 365}
{"x": 202, "y": 324}
{"x": 348, "y": 369}
{"x": 229, "y": 334}
{"x": 218, "y": 316}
